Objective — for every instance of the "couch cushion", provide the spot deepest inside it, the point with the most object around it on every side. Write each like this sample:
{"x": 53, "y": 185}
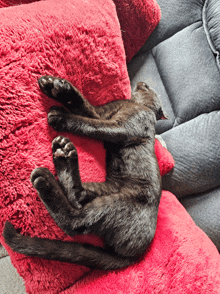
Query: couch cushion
{"x": 189, "y": 73}
{"x": 184, "y": 72}
{"x": 195, "y": 148}
{"x": 176, "y": 15}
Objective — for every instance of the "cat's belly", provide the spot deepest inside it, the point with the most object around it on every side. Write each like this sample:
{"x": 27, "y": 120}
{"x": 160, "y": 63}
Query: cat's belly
{"x": 137, "y": 162}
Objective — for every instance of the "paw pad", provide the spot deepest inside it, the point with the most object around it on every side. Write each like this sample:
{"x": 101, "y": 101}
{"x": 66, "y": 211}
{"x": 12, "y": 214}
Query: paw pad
{"x": 63, "y": 147}
{"x": 53, "y": 86}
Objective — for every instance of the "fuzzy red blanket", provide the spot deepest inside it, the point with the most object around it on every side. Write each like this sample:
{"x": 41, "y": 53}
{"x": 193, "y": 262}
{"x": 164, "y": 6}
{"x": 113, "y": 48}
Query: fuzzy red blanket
{"x": 82, "y": 42}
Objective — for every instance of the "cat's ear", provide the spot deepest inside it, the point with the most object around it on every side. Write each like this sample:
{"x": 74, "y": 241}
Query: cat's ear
{"x": 162, "y": 114}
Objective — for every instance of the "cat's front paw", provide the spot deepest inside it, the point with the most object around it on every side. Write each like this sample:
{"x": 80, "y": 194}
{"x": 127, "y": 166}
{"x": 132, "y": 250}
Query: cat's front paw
{"x": 54, "y": 87}
{"x": 57, "y": 118}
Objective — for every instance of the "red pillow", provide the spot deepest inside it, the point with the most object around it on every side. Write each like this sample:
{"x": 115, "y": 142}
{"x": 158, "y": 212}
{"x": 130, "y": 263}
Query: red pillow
{"x": 77, "y": 40}
{"x": 138, "y": 19}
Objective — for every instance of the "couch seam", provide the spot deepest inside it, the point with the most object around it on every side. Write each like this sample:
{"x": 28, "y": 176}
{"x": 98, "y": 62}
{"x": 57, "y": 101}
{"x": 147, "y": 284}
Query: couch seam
{"x": 208, "y": 35}
{"x": 171, "y": 104}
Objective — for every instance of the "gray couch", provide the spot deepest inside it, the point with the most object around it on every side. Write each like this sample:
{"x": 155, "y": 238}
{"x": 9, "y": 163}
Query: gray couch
{"x": 180, "y": 61}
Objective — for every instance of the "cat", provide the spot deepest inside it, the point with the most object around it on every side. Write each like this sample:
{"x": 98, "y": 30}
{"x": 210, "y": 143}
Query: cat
{"x": 122, "y": 210}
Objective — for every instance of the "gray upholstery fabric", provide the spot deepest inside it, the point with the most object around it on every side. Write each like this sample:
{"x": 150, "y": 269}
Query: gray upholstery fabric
{"x": 175, "y": 16}
{"x": 195, "y": 148}
{"x": 10, "y": 281}
{"x": 180, "y": 61}
{"x": 144, "y": 68}
{"x": 204, "y": 209}
{"x": 183, "y": 71}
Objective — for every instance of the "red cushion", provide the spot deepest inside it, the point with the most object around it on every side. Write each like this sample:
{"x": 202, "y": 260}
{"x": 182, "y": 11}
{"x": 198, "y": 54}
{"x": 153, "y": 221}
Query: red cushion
{"x": 77, "y": 40}
{"x": 138, "y": 19}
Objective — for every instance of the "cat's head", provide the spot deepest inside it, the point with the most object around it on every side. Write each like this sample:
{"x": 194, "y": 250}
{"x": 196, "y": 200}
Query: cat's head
{"x": 144, "y": 95}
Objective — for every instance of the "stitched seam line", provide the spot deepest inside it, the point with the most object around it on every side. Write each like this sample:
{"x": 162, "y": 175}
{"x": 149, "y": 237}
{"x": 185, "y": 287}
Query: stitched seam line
{"x": 171, "y": 104}
{"x": 208, "y": 35}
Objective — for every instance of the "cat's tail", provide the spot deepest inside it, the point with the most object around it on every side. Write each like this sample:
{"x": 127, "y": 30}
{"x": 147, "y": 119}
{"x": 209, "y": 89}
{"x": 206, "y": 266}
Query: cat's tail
{"x": 82, "y": 254}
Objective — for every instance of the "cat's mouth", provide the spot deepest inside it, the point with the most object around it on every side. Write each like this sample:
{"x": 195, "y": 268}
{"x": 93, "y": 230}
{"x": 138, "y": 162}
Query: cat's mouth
{"x": 164, "y": 116}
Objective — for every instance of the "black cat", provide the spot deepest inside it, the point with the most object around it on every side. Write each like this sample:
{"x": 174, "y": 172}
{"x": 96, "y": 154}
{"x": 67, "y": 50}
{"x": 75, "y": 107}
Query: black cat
{"x": 123, "y": 210}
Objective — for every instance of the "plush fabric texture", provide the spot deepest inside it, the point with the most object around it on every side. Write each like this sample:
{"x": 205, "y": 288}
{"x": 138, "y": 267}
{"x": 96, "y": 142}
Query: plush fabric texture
{"x": 75, "y": 40}
{"x": 138, "y": 19}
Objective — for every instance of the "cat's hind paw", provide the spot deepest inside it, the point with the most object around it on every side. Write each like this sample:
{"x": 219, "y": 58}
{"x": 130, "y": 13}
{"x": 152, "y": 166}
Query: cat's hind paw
{"x": 65, "y": 159}
{"x": 48, "y": 188}
{"x": 43, "y": 180}
{"x": 62, "y": 147}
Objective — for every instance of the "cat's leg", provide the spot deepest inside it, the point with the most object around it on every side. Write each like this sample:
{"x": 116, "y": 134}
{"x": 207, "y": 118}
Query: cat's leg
{"x": 115, "y": 217}
{"x": 82, "y": 254}
{"x": 54, "y": 199}
{"x": 70, "y": 219}
{"x": 64, "y": 214}
{"x": 64, "y": 92}
{"x": 108, "y": 216}
{"x": 103, "y": 130}
{"x": 65, "y": 159}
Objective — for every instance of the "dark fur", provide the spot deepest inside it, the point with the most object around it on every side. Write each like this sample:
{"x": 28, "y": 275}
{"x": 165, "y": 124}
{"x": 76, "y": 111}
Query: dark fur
{"x": 123, "y": 210}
